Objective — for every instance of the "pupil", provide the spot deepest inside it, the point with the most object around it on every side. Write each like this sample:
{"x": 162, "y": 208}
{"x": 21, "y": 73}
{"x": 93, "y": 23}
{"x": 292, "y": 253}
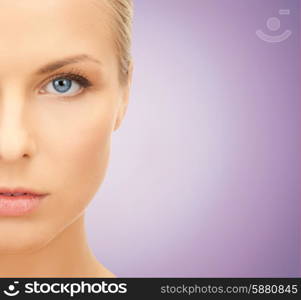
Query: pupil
{"x": 62, "y": 85}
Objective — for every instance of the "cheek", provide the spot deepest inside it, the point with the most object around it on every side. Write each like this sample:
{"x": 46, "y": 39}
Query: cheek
{"x": 86, "y": 155}
{"x": 79, "y": 146}
{"x": 84, "y": 166}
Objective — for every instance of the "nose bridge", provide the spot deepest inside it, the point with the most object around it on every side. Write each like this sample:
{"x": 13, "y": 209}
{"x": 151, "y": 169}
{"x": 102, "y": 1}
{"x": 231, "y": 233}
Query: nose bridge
{"x": 13, "y": 128}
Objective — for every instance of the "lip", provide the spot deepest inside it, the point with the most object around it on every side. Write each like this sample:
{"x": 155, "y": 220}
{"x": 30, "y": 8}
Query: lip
{"x": 19, "y": 205}
{"x": 20, "y": 190}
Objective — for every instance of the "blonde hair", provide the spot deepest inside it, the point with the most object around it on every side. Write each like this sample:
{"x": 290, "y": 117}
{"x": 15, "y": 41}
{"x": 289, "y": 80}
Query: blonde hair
{"x": 122, "y": 13}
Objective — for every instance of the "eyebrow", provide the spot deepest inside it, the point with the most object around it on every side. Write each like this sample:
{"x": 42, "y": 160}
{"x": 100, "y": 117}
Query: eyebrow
{"x": 66, "y": 61}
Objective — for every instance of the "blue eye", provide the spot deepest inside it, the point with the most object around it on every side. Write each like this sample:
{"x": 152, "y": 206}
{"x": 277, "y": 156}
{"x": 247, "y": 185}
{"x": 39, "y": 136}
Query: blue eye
{"x": 66, "y": 84}
{"x": 62, "y": 85}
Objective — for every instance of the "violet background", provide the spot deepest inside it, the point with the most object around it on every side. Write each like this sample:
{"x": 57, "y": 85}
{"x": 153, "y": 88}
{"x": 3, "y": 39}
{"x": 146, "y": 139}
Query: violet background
{"x": 204, "y": 174}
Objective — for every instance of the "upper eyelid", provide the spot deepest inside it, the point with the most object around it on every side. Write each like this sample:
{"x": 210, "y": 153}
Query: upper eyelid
{"x": 71, "y": 76}
{"x": 75, "y": 72}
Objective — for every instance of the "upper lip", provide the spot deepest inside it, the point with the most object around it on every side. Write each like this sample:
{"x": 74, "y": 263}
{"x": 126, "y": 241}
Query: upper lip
{"x": 20, "y": 190}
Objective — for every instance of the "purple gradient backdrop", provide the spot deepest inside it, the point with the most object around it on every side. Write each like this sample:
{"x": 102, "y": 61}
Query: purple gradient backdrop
{"x": 204, "y": 174}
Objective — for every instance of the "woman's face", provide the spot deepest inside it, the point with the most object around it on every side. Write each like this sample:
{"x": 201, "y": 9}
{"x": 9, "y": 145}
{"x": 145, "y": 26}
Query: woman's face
{"x": 55, "y": 133}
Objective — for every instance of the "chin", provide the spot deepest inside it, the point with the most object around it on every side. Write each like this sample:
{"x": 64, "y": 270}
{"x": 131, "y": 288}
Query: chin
{"x": 22, "y": 240}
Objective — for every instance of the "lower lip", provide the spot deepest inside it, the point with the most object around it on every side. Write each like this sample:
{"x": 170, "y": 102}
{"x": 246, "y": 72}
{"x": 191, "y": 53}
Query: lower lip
{"x": 19, "y": 205}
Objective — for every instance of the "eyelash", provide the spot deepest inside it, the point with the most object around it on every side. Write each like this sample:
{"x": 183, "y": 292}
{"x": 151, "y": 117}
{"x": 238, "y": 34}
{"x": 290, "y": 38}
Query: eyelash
{"x": 75, "y": 75}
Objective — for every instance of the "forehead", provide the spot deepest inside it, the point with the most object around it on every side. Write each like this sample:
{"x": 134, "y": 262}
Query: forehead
{"x": 35, "y": 31}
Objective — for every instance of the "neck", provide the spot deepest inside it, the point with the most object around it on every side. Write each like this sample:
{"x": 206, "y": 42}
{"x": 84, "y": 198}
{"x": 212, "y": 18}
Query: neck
{"x": 67, "y": 255}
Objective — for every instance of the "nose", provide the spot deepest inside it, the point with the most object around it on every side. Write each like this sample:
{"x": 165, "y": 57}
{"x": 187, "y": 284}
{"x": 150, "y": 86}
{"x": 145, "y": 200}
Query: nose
{"x": 15, "y": 141}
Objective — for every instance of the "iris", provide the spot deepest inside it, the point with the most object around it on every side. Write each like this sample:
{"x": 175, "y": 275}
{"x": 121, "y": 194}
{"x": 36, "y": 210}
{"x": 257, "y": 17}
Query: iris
{"x": 62, "y": 85}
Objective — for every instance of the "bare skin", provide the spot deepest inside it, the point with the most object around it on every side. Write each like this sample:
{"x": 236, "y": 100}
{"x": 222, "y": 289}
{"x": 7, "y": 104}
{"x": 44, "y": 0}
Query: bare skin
{"x": 67, "y": 255}
{"x": 51, "y": 141}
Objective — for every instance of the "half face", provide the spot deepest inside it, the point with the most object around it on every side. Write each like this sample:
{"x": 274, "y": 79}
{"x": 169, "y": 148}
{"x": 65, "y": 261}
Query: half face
{"x": 60, "y": 101}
